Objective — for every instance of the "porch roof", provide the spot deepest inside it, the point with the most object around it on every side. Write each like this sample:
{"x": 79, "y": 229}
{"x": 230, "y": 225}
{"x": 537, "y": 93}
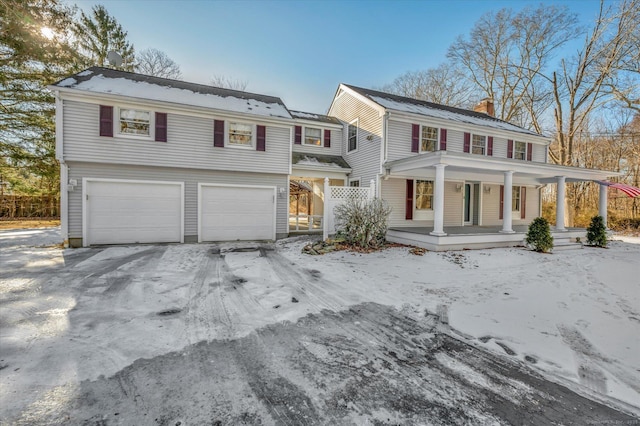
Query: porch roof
{"x": 491, "y": 167}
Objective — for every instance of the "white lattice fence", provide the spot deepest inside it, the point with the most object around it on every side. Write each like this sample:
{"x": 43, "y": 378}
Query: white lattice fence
{"x": 336, "y": 195}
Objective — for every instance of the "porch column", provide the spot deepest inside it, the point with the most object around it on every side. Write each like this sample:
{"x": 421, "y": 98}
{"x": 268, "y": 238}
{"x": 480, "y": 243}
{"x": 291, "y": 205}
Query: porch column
{"x": 602, "y": 210}
{"x": 560, "y": 204}
{"x": 325, "y": 210}
{"x": 438, "y": 202}
{"x": 507, "y": 220}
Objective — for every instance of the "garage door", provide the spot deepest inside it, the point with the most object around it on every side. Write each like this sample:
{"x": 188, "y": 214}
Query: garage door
{"x": 229, "y": 213}
{"x": 123, "y": 212}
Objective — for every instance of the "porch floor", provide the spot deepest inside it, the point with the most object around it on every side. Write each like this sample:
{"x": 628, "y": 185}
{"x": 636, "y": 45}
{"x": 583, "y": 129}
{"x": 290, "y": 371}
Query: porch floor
{"x": 470, "y": 230}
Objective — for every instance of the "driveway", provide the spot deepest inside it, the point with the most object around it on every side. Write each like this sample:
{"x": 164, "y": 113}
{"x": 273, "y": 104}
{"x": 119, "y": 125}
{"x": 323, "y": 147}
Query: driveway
{"x": 243, "y": 334}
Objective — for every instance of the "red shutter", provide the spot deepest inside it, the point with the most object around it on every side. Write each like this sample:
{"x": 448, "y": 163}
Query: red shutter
{"x": 261, "y": 138}
{"x": 467, "y": 142}
{"x": 510, "y": 148}
{"x": 327, "y": 138}
{"x": 415, "y": 138}
{"x": 106, "y": 120}
{"x": 523, "y": 202}
{"x": 218, "y": 133}
{"x": 501, "y": 201}
{"x": 161, "y": 126}
{"x": 529, "y": 151}
{"x": 298, "y": 135}
{"x": 443, "y": 139}
{"x": 409, "y": 205}
{"x": 490, "y": 145}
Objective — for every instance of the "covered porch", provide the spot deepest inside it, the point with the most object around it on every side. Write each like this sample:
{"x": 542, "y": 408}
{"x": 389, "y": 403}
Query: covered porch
{"x": 502, "y": 221}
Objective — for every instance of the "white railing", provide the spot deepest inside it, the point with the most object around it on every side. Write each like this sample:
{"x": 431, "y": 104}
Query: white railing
{"x": 305, "y": 222}
{"x": 336, "y": 195}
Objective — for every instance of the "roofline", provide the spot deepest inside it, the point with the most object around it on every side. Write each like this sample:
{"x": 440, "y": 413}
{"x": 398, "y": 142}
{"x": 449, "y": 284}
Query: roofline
{"x": 321, "y": 168}
{"x": 93, "y": 97}
{"x": 381, "y": 110}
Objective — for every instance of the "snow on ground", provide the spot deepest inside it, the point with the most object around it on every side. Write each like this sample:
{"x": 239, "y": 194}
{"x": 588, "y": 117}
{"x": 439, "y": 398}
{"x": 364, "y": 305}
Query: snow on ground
{"x": 573, "y": 314}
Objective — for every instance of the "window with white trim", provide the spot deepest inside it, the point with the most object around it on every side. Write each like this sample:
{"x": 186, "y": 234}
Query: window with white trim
{"x": 478, "y": 144}
{"x": 135, "y": 122}
{"x": 424, "y": 195}
{"x": 354, "y": 182}
{"x": 520, "y": 150}
{"x": 312, "y": 136}
{"x": 352, "y": 138}
{"x": 428, "y": 139}
{"x": 240, "y": 134}
{"x": 515, "y": 199}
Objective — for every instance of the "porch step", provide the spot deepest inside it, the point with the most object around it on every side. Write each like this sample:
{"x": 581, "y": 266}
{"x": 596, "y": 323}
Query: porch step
{"x": 566, "y": 244}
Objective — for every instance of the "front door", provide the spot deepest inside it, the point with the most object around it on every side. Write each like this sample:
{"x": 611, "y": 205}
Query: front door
{"x": 468, "y": 204}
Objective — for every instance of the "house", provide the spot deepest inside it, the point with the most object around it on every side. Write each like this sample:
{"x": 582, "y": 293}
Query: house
{"x": 146, "y": 159}
{"x": 454, "y": 178}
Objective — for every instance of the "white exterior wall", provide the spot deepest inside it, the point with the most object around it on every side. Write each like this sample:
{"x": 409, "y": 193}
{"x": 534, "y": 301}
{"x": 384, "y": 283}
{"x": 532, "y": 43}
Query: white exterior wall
{"x": 189, "y": 143}
{"x": 336, "y": 143}
{"x": 365, "y": 161}
{"x": 491, "y": 206}
{"x": 399, "y": 141}
{"x": 190, "y": 177}
{"x": 394, "y": 193}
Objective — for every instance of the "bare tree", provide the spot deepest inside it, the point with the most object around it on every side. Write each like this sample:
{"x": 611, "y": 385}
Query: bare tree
{"x": 506, "y": 55}
{"x": 155, "y": 62}
{"x": 442, "y": 85}
{"x": 229, "y": 83}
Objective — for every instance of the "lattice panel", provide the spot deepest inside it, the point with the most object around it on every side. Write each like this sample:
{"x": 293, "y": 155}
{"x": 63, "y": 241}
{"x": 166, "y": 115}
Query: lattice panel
{"x": 343, "y": 192}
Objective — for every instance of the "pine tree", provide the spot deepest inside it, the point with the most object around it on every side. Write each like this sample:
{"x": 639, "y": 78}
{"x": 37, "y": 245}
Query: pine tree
{"x": 539, "y": 235}
{"x": 597, "y": 232}
{"x": 99, "y": 33}
{"x": 35, "y": 51}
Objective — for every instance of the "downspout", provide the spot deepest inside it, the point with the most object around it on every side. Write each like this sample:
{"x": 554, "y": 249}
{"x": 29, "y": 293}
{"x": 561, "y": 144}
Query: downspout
{"x": 64, "y": 172}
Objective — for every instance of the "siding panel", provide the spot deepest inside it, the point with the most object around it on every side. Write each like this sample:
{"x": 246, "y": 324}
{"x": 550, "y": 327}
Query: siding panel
{"x": 191, "y": 178}
{"x": 190, "y": 144}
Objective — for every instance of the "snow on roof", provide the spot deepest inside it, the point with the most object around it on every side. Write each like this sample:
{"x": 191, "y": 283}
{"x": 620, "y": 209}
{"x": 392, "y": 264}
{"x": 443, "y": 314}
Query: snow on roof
{"x": 105, "y": 80}
{"x": 318, "y": 160}
{"x": 430, "y": 109}
{"x": 314, "y": 117}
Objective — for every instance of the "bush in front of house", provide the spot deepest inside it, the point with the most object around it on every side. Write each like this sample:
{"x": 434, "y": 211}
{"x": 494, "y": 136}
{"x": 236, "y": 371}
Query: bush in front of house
{"x": 539, "y": 235}
{"x": 363, "y": 222}
{"x": 597, "y": 232}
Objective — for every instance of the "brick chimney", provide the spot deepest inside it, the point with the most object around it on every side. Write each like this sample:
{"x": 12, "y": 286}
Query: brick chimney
{"x": 485, "y": 106}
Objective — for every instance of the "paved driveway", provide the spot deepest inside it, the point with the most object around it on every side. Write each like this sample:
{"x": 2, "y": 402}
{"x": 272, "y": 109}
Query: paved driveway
{"x": 240, "y": 334}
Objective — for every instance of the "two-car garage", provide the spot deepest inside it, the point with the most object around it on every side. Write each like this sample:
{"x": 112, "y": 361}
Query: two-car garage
{"x": 126, "y": 211}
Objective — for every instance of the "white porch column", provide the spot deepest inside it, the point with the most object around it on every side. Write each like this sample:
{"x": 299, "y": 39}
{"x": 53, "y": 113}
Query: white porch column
{"x": 602, "y": 210}
{"x": 507, "y": 220}
{"x": 560, "y": 204}
{"x": 325, "y": 210}
{"x": 438, "y": 202}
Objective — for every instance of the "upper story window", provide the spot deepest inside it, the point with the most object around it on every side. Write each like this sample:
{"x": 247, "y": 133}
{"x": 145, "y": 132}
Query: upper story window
{"x": 354, "y": 182}
{"x": 515, "y": 199}
{"x": 312, "y": 136}
{"x": 424, "y": 195}
{"x": 135, "y": 122}
{"x": 520, "y": 150}
{"x": 428, "y": 139}
{"x": 352, "y": 139}
{"x": 478, "y": 144}
{"x": 240, "y": 134}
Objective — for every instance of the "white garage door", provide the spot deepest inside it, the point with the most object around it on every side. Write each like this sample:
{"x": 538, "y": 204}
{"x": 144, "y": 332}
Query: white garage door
{"x": 229, "y": 213}
{"x": 122, "y": 212}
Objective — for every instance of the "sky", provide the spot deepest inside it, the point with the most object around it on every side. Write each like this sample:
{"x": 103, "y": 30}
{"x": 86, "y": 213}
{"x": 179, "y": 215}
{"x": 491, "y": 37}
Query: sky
{"x": 301, "y": 51}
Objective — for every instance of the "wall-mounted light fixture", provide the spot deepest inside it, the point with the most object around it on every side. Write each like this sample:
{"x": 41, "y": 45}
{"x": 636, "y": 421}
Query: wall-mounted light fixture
{"x": 369, "y": 137}
{"x": 487, "y": 189}
{"x": 459, "y": 187}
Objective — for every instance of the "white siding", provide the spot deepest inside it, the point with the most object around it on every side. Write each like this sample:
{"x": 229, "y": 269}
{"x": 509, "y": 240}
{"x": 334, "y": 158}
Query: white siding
{"x": 394, "y": 193}
{"x": 189, "y": 145}
{"x": 335, "y": 149}
{"x": 191, "y": 178}
{"x": 491, "y": 206}
{"x": 365, "y": 161}
{"x": 399, "y": 140}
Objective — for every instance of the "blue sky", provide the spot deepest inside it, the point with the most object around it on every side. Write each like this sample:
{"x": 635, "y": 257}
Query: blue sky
{"x": 301, "y": 50}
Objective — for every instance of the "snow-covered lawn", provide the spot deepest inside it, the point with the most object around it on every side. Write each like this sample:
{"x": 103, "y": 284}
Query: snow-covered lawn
{"x": 573, "y": 314}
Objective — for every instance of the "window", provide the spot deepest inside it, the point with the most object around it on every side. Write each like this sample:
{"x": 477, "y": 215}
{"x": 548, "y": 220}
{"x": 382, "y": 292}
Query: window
{"x": 515, "y": 199}
{"x": 354, "y": 183}
{"x": 312, "y": 136}
{"x": 429, "y": 139}
{"x": 352, "y": 141}
{"x": 135, "y": 122}
{"x": 240, "y": 134}
{"x": 478, "y": 144}
{"x": 424, "y": 195}
{"x": 520, "y": 151}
